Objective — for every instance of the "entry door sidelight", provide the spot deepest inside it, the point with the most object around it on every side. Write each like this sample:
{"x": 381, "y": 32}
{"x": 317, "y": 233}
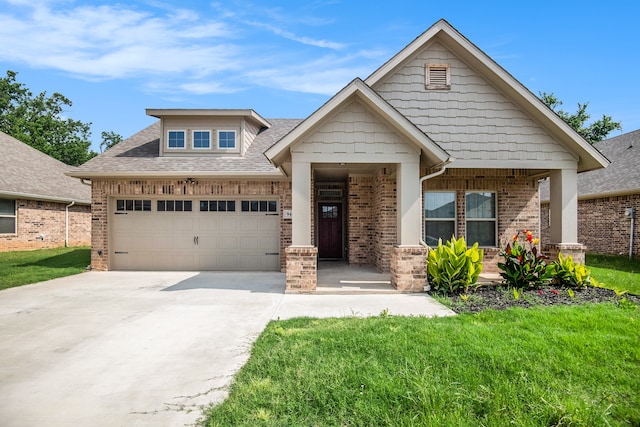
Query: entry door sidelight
{"x": 330, "y": 230}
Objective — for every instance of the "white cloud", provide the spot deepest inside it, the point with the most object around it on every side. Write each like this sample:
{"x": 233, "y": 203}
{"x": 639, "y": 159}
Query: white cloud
{"x": 116, "y": 42}
{"x": 300, "y": 39}
{"x": 172, "y": 50}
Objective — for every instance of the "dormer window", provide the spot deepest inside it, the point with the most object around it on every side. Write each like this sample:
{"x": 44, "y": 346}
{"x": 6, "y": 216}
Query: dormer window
{"x": 176, "y": 139}
{"x": 227, "y": 139}
{"x": 201, "y": 139}
{"x": 438, "y": 76}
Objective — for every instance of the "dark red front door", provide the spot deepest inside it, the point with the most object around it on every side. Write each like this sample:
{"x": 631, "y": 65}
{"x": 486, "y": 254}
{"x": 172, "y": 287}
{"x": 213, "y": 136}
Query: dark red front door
{"x": 330, "y": 230}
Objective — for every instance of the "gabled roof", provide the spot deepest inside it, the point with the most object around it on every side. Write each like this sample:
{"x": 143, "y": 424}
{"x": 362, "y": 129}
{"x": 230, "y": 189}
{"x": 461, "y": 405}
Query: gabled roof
{"x": 465, "y": 50}
{"x": 30, "y": 174}
{"x": 434, "y": 154}
{"x": 621, "y": 177}
{"x": 138, "y": 156}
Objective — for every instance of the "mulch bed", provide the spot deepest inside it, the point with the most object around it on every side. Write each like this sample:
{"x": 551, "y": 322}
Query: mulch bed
{"x": 498, "y": 297}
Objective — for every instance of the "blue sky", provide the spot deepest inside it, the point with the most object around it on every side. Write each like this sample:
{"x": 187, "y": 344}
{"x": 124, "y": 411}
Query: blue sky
{"x": 285, "y": 58}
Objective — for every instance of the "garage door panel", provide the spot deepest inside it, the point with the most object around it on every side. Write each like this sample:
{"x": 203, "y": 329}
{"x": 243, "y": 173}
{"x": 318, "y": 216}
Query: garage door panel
{"x": 194, "y": 240}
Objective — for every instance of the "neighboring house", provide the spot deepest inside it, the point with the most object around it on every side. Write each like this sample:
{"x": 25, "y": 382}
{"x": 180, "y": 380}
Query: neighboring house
{"x": 605, "y": 197}
{"x": 440, "y": 121}
{"x": 40, "y": 206}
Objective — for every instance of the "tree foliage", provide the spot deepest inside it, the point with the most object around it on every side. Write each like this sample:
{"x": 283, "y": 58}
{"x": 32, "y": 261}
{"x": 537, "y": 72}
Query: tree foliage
{"x": 38, "y": 120}
{"x": 595, "y": 132}
{"x": 109, "y": 139}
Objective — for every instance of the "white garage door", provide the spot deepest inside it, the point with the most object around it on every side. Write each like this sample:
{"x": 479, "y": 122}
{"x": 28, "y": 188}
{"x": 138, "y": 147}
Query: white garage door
{"x": 198, "y": 234}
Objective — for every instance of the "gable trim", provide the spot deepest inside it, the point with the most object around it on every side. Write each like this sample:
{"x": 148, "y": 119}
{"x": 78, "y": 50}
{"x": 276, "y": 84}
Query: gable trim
{"x": 589, "y": 158}
{"x": 278, "y": 152}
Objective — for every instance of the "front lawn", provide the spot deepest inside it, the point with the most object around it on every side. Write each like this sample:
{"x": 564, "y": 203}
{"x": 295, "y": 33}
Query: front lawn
{"x": 542, "y": 366}
{"x": 24, "y": 267}
{"x": 616, "y": 272}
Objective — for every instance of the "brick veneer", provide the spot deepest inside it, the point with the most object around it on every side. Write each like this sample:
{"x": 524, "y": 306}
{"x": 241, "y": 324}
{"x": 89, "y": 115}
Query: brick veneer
{"x": 602, "y": 226}
{"x": 360, "y": 220}
{"x": 517, "y": 199}
{"x": 42, "y": 225}
{"x": 409, "y": 268}
{"x": 302, "y": 268}
{"x": 103, "y": 189}
{"x": 385, "y": 230}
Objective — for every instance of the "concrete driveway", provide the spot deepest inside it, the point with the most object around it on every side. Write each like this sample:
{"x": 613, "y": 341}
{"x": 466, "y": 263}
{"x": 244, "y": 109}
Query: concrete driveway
{"x": 147, "y": 348}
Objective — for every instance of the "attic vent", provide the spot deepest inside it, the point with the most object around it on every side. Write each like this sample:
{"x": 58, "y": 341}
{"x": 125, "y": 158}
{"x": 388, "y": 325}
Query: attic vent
{"x": 438, "y": 76}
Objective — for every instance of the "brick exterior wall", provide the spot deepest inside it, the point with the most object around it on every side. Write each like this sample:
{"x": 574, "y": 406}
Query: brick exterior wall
{"x": 103, "y": 189}
{"x": 517, "y": 200}
{"x": 385, "y": 230}
{"x": 42, "y": 225}
{"x": 602, "y": 226}
{"x": 409, "y": 268}
{"x": 360, "y": 220}
{"x": 301, "y": 268}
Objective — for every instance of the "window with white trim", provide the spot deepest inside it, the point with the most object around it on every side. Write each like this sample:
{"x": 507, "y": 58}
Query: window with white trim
{"x": 176, "y": 139}
{"x": 438, "y": 76}
{"x": 201, "y": 139}
{"x": 7, "y": 216}
{"x": 439, "y": 216}
{"x": 481, "y": 218}
{"x": 227, "y": 139}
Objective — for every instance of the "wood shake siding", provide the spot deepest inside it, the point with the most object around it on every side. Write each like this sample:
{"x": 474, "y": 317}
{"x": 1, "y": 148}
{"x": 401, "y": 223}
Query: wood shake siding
{"x": 249, "y": 132}
{"x": 472, "y": 120}
{"x": 354, "y": 130}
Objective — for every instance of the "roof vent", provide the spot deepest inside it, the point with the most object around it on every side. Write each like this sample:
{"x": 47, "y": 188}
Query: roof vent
{"x": 438, "y": 76}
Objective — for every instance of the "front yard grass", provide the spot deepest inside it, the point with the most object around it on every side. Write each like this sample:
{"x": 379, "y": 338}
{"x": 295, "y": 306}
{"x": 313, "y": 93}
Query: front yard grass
{"x": 615, "y": 272}
{"x": 24, "y": 267}
{"x": 542, "y": 366}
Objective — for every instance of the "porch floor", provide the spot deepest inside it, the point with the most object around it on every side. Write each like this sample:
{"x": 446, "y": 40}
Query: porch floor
{"x": 338, "y": 277}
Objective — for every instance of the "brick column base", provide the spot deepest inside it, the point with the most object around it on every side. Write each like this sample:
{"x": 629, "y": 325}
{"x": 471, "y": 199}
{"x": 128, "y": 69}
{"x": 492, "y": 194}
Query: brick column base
{"x": 409, "y": 268}
{"x": 302, "y": 268}
{"x": 576, "y": 250}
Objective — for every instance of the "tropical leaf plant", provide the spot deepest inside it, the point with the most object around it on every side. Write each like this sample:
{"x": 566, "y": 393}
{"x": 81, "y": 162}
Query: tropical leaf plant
{"x": 453, "y": 267}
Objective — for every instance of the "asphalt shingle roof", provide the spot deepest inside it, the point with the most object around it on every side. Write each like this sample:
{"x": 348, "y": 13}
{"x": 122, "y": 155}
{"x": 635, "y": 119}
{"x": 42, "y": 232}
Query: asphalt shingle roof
{"x": 622, "y": 176}
{"x": 139, "y": 154}
{"x": 29, "y": 173}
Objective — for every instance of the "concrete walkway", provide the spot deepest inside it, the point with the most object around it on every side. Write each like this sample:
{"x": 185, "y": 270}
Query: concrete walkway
{"x": 147, "y": 348}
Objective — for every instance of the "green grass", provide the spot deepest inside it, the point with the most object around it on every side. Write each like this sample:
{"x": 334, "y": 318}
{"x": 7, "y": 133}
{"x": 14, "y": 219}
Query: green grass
{"x": 616, "y": 272}
{"x": 24, "y": 267}
{"x": 553, "y": 366}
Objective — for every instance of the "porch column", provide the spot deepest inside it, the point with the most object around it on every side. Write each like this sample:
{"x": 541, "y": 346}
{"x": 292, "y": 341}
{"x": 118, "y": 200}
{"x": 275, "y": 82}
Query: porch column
{"x": 301, "y": 204}
{"x": 302, "y": 257}
{"x": 408, "y": 199}
{"x": 564, "y": 206}
{"x": 564, "y": 215}
{"x": 408, "y": 257}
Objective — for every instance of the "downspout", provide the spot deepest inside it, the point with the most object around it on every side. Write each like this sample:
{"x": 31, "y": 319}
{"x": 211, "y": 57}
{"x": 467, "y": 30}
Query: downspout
{"x": 66, "y": 223}
{"x": 422, "y": 180}
{"x": 632, "y": 214}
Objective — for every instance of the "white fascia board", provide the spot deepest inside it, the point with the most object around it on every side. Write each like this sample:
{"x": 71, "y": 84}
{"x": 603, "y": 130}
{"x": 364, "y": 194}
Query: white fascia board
{"x": 513, "y": 164}
{"x": 44, "y": 198}
{"x": 246, "y": 113}
{"x": 179, "y": 174}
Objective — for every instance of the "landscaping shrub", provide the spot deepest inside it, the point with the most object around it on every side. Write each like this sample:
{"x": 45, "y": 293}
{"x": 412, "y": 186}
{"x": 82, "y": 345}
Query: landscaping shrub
{"x": 453, "y": 267}
{"x": 566, "y": 272}
{"x": 523, "y": 266}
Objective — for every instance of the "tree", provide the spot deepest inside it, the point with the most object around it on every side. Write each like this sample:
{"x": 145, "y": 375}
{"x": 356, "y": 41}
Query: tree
{"x": 595, "y": 132}
{"x": 39, "y": 122}
{"x": 109, "y": 139}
